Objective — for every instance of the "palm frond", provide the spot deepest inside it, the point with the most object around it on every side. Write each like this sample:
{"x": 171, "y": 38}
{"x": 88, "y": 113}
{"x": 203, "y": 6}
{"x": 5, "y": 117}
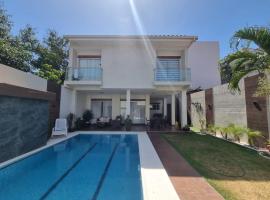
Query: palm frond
{"x": 259, "y": 35}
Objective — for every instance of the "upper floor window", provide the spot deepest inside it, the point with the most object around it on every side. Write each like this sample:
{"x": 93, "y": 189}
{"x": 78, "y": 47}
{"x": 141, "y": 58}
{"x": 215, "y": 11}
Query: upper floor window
{"x": 89, "y": 61}
{"x": 168, "y": 62}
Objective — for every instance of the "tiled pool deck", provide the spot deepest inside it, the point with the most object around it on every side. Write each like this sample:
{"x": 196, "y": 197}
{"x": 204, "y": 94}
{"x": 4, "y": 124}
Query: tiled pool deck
{"x": 188, "y": 184}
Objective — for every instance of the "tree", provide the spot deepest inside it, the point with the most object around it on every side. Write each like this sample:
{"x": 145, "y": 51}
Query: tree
{"x": 12, "y": 52}
{"x": 25, "y": 52}
{"x": 247, "y": 59}
{"x": 54, "y": 52}
{"x": 48, "y": 72}
{"x": 5, "y": 24}
{"x": 27, "y": 37}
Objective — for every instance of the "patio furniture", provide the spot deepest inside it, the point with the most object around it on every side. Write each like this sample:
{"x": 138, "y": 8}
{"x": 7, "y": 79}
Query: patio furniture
{"x": 103, "y": 121}
{"x": 60, "y": 127}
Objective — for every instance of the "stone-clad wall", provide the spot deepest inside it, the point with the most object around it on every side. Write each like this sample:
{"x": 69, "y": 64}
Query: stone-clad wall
{"x": 23, "y": 125}
{"x": 228, "y": 107}
{"x": 221, "y": 107}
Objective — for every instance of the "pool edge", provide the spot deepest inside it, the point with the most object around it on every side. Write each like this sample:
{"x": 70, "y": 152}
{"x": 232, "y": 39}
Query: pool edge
{"x": 154, "y": 178}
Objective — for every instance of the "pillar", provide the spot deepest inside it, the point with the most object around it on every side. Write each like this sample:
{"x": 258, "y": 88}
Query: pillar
{"x": 165, "y": 106}
{"x": 147, "y": 107}
{"x": 183, "y": 108}
{"x": 73, "y": 102}
{"x": 173, "y": 109}
{"x": 128, "y": 103}
{"x": 116, "y": 106}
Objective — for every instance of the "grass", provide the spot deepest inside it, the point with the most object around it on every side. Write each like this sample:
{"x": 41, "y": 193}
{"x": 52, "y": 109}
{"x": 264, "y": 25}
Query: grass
{"x": 235, "y": 172}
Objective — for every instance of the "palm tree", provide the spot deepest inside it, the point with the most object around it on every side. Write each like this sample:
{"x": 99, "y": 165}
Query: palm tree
{"x": 247, "y": 59}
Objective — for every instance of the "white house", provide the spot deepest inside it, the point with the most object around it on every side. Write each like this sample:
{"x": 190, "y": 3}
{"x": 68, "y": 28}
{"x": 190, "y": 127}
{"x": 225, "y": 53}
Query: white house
{"x": 137, "y": 75}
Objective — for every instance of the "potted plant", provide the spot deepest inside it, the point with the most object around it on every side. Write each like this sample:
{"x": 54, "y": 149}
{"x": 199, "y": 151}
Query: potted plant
{"x": 267, "y": 143}
{"x": 128, "y": 123}
{"x": 70, "y": 118}
{"x": 87, "y": 116}
{"x": 78, "y": 123}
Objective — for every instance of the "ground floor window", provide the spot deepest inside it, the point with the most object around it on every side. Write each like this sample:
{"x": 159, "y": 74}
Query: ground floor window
{"x": 101, "y": 108}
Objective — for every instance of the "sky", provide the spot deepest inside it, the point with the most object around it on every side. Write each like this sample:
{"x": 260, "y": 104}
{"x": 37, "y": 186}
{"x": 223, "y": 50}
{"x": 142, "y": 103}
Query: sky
{"x": 210, "y": 20}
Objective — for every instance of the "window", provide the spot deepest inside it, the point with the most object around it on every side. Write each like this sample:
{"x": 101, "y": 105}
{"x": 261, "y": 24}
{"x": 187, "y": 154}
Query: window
{"x": 101, "y": 107}
{"x": 89, "y": 61}
{"x": 168, "y": 62}
{"x": 155, "y": 106}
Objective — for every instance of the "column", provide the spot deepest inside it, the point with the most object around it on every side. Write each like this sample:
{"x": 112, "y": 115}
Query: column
{"x": 147, "y": 107}
{"x": 73, "y": 102}
{"x": 165, "y": 106}
{"x": 115, "y": 105}
{"x": 173, "y": 109}
{"x": 183, "y": 108}
{"x": 128, "y": 103}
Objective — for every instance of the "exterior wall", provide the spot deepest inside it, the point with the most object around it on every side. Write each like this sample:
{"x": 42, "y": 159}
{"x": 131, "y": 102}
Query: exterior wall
{"x": 209, "y": 106}
{"x": 228, "y": 107}
{"x": 203, "y": 60}
{"x": 256, "y": 107}
{"x": 81, "y": 104}
{"x": 19, "y": 78}
{"x": 24, "y": 127}
{"x": 242, "y": 109}
{"x": 199, "y": 99}
{"x": 65, "y": 103}
{"x": 127, "y": 67}
{"x": 54, "y": 106}
{"x": 24, "y": 121}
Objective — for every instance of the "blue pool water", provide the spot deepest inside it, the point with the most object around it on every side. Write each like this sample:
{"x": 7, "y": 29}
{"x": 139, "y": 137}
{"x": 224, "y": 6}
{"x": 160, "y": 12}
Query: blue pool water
{"x": 82, "y": 167}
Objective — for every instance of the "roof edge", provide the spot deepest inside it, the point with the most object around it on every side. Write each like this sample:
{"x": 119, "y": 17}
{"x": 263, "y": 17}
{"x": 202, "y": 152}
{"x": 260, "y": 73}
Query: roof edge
{"x": 131, "y": 37}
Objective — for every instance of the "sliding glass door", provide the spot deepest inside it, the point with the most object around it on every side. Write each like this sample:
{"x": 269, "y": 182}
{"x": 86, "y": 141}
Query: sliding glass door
{"x": 137, "y": 111}
{"x": 101, "y": 108}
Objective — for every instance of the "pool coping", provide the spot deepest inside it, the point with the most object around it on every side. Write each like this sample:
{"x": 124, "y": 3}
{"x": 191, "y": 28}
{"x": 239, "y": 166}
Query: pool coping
{"x": 155, "y": 181}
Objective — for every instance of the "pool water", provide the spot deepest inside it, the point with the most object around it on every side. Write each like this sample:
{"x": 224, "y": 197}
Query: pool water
{"x": 87, "y": 166}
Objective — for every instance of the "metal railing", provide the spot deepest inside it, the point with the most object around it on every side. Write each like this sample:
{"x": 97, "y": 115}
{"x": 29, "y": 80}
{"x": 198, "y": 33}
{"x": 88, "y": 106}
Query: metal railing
{"x": 174, "y": 74}
{"x": 84, "y": 74}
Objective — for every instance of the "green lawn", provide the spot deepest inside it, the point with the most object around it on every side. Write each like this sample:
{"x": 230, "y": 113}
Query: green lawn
{"x": 234, "y": 171}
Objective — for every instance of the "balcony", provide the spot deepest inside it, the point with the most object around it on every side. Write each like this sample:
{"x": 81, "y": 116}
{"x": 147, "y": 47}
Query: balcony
{"x": 172, "y": 75}
{"x": 84, "y": 75}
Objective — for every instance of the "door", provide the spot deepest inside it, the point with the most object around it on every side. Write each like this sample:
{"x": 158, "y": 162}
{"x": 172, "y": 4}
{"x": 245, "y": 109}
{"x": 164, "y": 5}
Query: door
{"x": 169, "y": 113}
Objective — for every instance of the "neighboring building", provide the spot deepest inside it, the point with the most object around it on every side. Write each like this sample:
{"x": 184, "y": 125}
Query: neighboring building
{"x": 137, "y": 75}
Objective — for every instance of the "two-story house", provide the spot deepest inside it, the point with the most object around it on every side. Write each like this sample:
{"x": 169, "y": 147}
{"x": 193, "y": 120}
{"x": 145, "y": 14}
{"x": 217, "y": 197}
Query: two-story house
{"x": 137, "y": 75}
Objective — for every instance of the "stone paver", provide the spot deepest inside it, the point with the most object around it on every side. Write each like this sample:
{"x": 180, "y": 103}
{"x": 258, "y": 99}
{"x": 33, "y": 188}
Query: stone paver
{"x": 188, "y": 184}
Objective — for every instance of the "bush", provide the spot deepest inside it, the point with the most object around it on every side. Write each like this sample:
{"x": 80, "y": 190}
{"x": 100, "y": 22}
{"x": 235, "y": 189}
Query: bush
{"x": 87, "y": 115}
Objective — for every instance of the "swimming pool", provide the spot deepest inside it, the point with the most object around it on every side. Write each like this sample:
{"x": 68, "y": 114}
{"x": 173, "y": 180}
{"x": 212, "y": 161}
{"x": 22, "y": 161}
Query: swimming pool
{"x": 85, "y": 166}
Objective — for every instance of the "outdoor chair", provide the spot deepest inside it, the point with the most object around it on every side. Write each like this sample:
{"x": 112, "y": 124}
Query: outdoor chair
{"x": 60, "y": 127}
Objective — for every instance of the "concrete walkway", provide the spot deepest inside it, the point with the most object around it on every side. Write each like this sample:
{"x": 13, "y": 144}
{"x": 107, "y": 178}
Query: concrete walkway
{"x": 188, "y": 184}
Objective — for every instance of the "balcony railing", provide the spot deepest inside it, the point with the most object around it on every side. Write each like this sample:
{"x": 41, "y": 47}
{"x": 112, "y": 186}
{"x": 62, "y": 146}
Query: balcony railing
{"x": 175, "y": 74}
{"x": 84, "y": 74}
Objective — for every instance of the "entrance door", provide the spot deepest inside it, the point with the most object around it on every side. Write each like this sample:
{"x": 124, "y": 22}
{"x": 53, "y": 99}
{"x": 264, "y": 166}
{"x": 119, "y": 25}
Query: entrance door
{"x": 137, "y": 112}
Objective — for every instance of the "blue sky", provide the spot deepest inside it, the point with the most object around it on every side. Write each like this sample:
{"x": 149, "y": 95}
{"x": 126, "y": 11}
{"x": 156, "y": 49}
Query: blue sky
{"x": 208, "y": 19}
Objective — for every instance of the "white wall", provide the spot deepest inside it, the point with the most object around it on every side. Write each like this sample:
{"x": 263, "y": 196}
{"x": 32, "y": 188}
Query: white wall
{"x": 19, "y": 78}
{"x": 127, "y": 66}
{"x": 203, "y": 60}
{"x": 65, "y": 103}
